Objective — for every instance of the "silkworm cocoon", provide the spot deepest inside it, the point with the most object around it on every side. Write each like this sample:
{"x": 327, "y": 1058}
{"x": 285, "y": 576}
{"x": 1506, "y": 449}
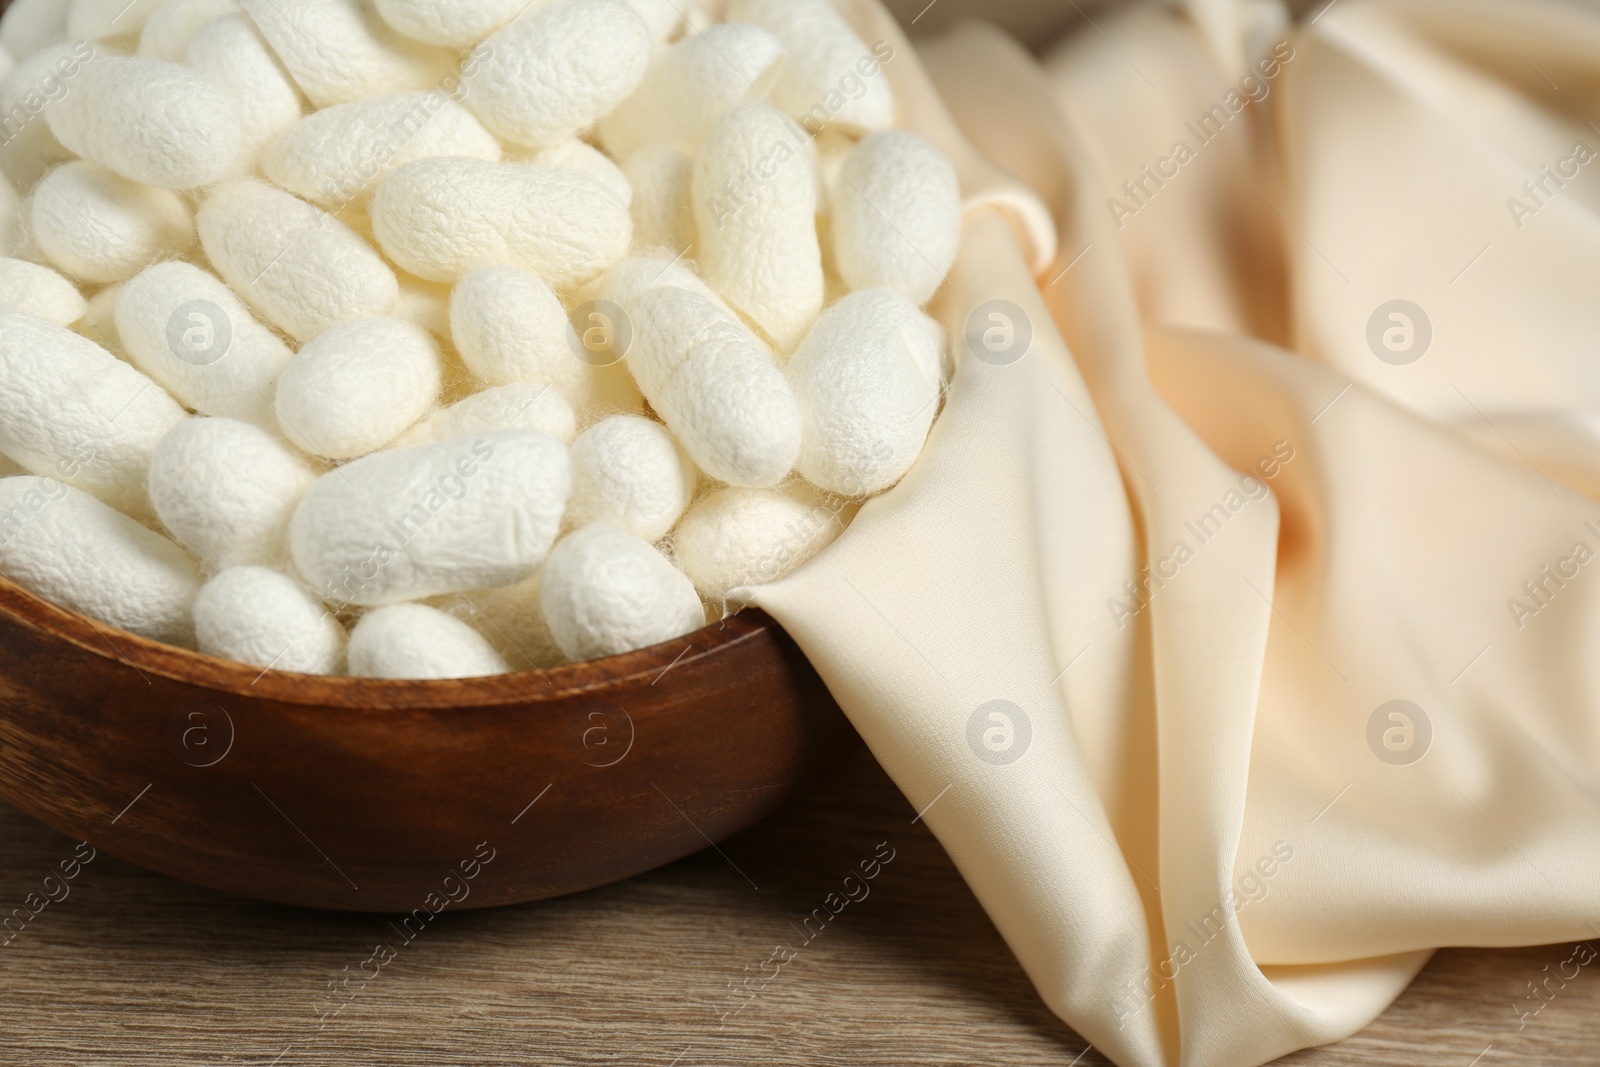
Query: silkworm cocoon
{"x": 341, "y": 50}
{"x": 509, "y": 326}
{"x": 29, "y": 25}
{"x": 715, "y": 384}
{"x": 896, "y": 216}
{"x": 414, "y": 641}
{"x": 71, "y": 549}
{"x": 34, "y": 89}
{"x": 40, "y": 291}
{"x": 188, "y": 332}
{"x": 867, "y": 380}
{"x": 746, "y": 537}
{"x": 226, "y": 490}
{"x": 539, "y": 409}
{"x": 99, "y": 321}
{"x": 172, "y": 26}
{"x": 607, "y": 592}
{"x": 459, "y": 23}
{"x": 583, "y": 158}
{"x": 662, "y": 179}
{"x": 511, "y": 619}
{"x": 89, "y": 19}
{"x": 71, "y": 410}
{"x": 555, "y": 70}
{"x": 301, "y": 268}
{"x": 266, "y": 619}
{"x": 643, "y": 271}
{"x": 440, "y": 218}
{"x": 830, "y": 76}
{"x": 158, "y": 123}
{"x": 96, "y": 225}
{"x": 473, "y": 513}
{"x": 358, "y": 387}
{"x": 755, "y": 205}
{"x": 690, "y": 85}
{"x": 628, "y": 472}
{"x": 337, "y": 155}
{"x": 233, "y": 56}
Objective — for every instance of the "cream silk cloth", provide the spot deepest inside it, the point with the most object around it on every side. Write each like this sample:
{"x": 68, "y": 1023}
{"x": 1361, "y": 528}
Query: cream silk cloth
{"x": 1200, "y": 823}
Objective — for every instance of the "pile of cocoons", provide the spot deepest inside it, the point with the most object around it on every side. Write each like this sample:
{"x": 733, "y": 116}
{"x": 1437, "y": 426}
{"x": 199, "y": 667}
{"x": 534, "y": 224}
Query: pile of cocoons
{"x": 448, "y": 338}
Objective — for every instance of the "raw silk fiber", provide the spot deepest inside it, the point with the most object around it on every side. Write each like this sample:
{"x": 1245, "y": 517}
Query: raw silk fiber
{"x": 1289, "y": 593}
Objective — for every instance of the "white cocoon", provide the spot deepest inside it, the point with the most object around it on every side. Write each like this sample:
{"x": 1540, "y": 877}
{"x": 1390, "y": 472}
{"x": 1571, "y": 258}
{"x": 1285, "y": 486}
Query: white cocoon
{"x": 226, "y": 490}
{"x": 183, "y": 327}
{"x": 747, "y": 537}
{"x": 441, "y": 218}
{"x": 509, "y": 326}
{"x": 606, "y": 592}
{"x": 340, "y": 50}
{"x": 662, "y": 179}
{"x": 418, "y": 642}
{"x": 34, "y": 89}
{"x": 690, "y": 85}
{"x": 755, "y": 205}
{"x": 101, "y": 227}
{"x": 158, "y": 123}
{"x": 40, "y": 291}
{"x": 337, "y": 155}
{"x": 172, "y": 26}
{"x": 234, "y": 57}
{"x": 266, "y": 619}
{"x": 830, "y": 76}
{"x": 71, "y": 549}
{"x": 628, "y": 472}
{"x": 473, "y": 513}
{"x": 300, "y": 267}
{"x": 450, "y": 22}
{"x": 896, "y": 216}
{"x": 867, "y": 379}
{"x": 583, "y": 158}
{"x": 540, "y": 409}
{"x": 359, "y": 386}
{"x": 715, "y": 384}
{"x": 555, "y": 70}
{"x": 29, "y": 25}
{"x": 72, "y": 411}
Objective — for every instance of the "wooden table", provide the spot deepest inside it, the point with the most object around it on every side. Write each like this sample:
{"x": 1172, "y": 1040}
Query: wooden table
{"x": 132, "y": 969}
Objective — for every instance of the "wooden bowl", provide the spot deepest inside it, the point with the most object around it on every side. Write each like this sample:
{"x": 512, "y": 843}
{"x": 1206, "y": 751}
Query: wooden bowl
{"x": 365, "y": 795}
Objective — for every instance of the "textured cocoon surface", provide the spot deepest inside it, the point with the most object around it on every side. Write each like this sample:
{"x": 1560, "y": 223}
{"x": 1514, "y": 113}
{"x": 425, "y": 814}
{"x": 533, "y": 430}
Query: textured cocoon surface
{"x": 539, "y": 409}
{"x": 358, "y": 387}
{"x": 555, "y": 70}
{"x": 511, "y": 619}
{"x": 745, "y": 537}
{"x": 867, "y": 379}
{"x": 302, "y": 269}
{"x": 29, "y": 25}
{"x": 187, "y": 330}
{"x": 628, "y": 472}
{"x": 662, "y": 179}
{"x": 583, "y": 158}
{"x": 690, "y": 85}
{"x": 70, "y": 410}
{"x": 341, "y": 50}
{"x": 234, "y": 57}
{"x": 88, "y": 19}
{"x": 474, "y": 513}
{"x": 101, "y": 227}
{"x": 755, "y": 205}
{"x": 171, "y": 27}
{"x": 161, "y": 124}
{"x": 896, "y": 216}
{"x": 831, "y": 76}
{"x": 40, "y": 291}
{"x": 440, "y": 218}
{"x": 606, "y": 592}
{"x": 226, "y": 490}
{"x": 419, "y": 642}
{"x": 716, "y": 386}
{"x": 34, "y": 89}
{"x": 509, "y": 326}
{"x": 337, "y": 155}
{"x": 266, "y": 619}
{"x": 71, "y": 549}
{"x": 450, "y": 22}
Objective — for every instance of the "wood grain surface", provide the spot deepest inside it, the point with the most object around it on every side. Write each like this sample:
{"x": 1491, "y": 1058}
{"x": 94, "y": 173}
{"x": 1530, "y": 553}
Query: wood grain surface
{"x": 134, "y": 970}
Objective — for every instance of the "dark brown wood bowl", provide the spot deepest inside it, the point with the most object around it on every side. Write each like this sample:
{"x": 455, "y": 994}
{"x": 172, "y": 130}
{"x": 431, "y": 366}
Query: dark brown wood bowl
{"x": 365, "y": 795}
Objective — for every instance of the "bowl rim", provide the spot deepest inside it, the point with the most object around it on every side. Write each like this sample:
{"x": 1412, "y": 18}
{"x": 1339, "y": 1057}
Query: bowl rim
{"x": 549, "y": 685}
